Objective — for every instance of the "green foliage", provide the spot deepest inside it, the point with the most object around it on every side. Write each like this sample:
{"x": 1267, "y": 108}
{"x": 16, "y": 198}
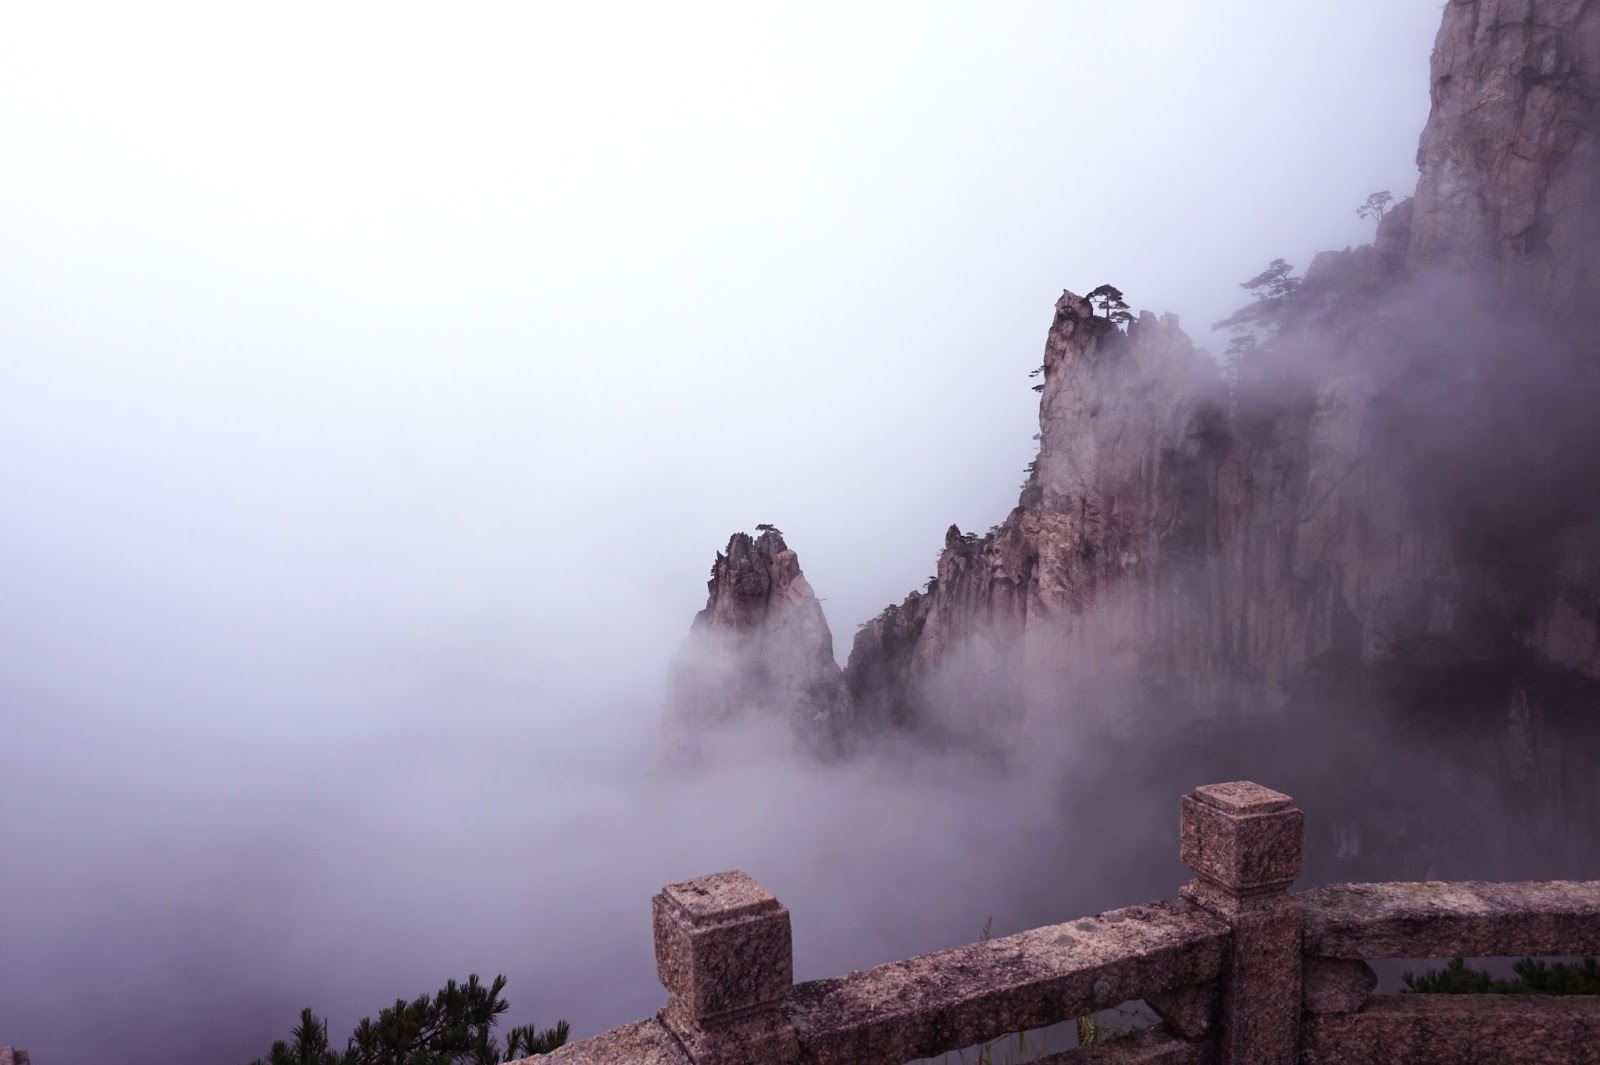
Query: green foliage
{"x": 526, "y": 1040}
{"x": 1534, "y": 977}
{"x": 1375, "y": 206}
{"x": 1109, "y": 299}
{"x": 1559, "y": 978}
{"x": 1276, "y": 291}
{"x": 1454, "y": 979}
{"x": 453, "y": 1027}
{"x": 1276, "y": 282}
{"x": 1091, "y": 1031}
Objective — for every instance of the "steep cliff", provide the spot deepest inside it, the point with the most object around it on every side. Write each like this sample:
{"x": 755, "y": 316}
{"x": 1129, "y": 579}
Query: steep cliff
{"x": 1510, "y": 156}
{"x": 761, "y": 647}
{"x": 1118, "y": 488}
{"x": 1363, "y": 560}
{"x": 1386, "y": 517}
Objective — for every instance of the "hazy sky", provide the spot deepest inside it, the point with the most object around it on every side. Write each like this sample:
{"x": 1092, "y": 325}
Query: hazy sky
{"x": 378, "y": 381}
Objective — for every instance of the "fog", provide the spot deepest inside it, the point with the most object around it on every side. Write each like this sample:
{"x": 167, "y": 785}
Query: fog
{"x": 377, "y": 387}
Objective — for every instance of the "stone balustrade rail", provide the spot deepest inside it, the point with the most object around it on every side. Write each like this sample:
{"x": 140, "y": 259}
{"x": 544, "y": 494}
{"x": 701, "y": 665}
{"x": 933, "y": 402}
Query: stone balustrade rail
{"x": 1238, "y": 970}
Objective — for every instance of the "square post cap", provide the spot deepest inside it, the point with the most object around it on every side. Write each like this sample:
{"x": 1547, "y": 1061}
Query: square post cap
{"x": 1242, "y": 840}
{"x": 723, "y": 946}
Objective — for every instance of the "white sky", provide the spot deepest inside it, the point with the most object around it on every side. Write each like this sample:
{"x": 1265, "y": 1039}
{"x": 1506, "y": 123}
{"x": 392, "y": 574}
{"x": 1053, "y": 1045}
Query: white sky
{"x": 365, "y": 362}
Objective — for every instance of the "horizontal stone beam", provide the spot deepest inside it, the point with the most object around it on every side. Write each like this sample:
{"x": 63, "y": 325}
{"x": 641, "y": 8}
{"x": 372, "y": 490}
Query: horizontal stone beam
{"x": 643, "y": 1043}
{"x": 1449, "y": 1029}
{"x": 1472, "y": 919}
{"x": 958, "y": 998}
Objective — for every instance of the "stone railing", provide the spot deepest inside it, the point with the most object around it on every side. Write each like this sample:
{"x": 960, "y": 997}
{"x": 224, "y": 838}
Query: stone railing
{"x": 1239, "y": 971}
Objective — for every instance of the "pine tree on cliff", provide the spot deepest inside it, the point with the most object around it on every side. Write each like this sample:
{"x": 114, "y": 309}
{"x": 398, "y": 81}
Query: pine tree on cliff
{"x": 1109, "y": 298}
{"x": 1274, "y": 289}
{"x": 454, "y": 1027}
{"x": 1376, "y": 204}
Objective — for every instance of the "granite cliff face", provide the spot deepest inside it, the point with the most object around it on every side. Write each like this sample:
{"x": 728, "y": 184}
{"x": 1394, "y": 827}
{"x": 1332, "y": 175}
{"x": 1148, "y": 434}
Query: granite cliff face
{"x": 1072, "y": 574}
{"x": 1510, "y": 156}
{"x": 1390, "y": 508}
{"x": 761, "y": 647}
{"x": 1363, "y": 560}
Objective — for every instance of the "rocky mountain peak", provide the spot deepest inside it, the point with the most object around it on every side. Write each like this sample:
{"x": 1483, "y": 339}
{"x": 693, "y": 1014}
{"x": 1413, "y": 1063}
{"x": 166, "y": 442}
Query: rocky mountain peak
{"x": 750, "y": 578}
{"x": 1384, "y": 514}
{"x": 1385, "y": 511}
{"x": 761, "y": 648}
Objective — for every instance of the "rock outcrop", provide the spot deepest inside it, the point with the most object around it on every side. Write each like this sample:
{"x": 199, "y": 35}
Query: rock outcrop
{"x": 762, "y": 648}
{"x": 1391, "y": 510}
{"x": 1510, "y": 158}
{"x": 13, "y": 1056}
{"x": 1365, "y": 559}
{"x": 1010, "y": 617}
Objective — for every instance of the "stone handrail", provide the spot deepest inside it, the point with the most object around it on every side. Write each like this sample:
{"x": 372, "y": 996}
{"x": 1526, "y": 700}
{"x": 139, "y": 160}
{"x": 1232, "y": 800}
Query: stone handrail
{"x": 1239, "y": 971}
{"x": 1348, "y": 924}
{"x": 1440, "y": 920}
{"x": 973, "y": 994}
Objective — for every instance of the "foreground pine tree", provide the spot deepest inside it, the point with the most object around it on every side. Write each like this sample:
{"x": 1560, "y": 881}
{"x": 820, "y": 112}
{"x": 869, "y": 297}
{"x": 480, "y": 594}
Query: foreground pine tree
{"x": 453, "y": 1027}
{"x": 1534, "y": 977}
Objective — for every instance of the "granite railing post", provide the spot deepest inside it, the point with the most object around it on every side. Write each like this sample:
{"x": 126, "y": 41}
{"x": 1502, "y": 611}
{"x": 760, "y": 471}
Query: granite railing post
{"x": 725, "y": 954}
{"x": 1243, "y": 842}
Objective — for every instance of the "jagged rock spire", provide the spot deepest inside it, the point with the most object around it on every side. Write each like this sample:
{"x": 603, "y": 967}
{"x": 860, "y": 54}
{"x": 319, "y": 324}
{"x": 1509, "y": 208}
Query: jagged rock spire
{"x": 761, "y": 647}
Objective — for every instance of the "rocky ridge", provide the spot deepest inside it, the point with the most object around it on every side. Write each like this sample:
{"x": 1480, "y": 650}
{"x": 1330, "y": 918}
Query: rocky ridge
{"x": 1389, "y": 508}
{"x": 1379, "y": 534}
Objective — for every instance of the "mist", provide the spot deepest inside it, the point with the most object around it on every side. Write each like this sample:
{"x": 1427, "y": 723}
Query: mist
{"x": 377, "y": 388}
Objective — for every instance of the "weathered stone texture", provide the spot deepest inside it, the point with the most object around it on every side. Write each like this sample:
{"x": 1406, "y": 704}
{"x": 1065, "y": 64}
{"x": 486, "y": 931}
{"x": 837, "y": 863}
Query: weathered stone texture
{"x": 13, "y": 1056}
{"x": 761, "y": 647}
{"x": 723, "y": 944}
{"x": 1260, "y": 1015}
{"x": 1242, "y": 840}
{"x": 1001, "y": 631}
{"x": 1444, "y": 920}
{"x": 957, "y": 998}
{"x": 1511, "y": 150}
{"x": 1251, "y": 976}
{"x": 762, "y": 1036}
{"x": 884, "y": 688}
{"x": 1189, "y": 1010}
{"x": 724, "y": 952}
{"x": 1333, "y": 985}
{"x": 1151, "y": 1046}
{"x": 1452, "y": 1029}
{"x": 644, "y": 1043}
